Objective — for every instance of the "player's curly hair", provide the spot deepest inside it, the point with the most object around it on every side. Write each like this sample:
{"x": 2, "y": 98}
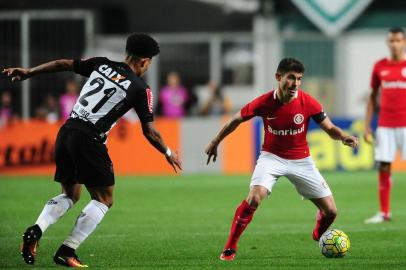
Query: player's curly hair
{"x": 140, "y": 45}
{"x": 290, "y": 64}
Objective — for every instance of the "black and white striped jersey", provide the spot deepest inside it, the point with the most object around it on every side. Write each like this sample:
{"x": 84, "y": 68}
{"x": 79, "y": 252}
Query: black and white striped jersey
{"x": 111, "y": 90}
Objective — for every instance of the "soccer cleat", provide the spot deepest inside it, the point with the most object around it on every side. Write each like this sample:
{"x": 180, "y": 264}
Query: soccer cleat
{"x": 378, "y": 218}
{"x": 227, "y": 255}
{"x": 69, "y": 261}
{"x": 66, "y": 256}
{"x": 29, "y": 246}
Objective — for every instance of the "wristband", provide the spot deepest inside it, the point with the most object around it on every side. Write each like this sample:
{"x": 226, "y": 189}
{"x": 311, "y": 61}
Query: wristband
{"x": 168, "y": 152}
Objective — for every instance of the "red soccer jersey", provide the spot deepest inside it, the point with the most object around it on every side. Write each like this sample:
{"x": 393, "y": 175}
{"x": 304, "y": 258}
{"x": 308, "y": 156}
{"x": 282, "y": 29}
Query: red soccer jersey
{"x": 390, "y": 77}
{"x": 285, "y": 125}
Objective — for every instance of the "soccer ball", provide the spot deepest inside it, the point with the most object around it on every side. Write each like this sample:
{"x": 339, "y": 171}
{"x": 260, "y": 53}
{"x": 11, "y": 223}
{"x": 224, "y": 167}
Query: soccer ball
{"x": 334, "y": 243}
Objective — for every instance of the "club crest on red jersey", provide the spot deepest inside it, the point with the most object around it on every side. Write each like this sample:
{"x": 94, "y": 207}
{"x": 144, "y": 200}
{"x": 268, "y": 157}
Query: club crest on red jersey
{"x": 298, "y": 118}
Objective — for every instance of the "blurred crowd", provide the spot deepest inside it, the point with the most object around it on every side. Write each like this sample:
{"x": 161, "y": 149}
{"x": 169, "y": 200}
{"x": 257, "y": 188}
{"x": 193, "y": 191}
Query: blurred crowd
{"x": 174, "y": 101}
{"x": 52, "y": 109}
{"x": 55, "y": 108}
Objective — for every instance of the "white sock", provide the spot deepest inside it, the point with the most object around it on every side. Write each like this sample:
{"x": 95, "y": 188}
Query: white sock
{"x": 53, "y": 211}
{"x": 86, "y": 223}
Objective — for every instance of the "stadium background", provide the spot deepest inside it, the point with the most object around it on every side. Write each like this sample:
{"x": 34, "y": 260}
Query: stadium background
{"x": 237, "y": 48}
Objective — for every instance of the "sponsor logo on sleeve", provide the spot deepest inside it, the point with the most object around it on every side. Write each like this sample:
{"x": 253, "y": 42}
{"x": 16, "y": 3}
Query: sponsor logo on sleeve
{"x": 384, "y": 72}
{"x": 271, "y": 118}
{"x": 150, "y": 99}
{"x": 403, "y": 72}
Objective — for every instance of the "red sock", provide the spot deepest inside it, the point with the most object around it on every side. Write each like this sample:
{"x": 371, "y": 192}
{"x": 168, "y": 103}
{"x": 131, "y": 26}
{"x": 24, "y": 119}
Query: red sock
{"x": 322, "y": 224}
{"x": 385, "y": 184}
{"x": 243, "y": 216}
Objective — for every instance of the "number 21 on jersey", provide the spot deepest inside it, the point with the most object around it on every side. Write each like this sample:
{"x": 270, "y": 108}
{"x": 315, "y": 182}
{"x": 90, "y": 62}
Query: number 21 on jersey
{"x": 97, "y": 98}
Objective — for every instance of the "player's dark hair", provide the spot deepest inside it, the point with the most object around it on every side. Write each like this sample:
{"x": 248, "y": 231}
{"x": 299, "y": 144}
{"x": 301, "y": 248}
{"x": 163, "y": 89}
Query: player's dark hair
{"x": 290, "y": 64}
{"x": 396, "y": 30}
{"x": 141, "y": 45}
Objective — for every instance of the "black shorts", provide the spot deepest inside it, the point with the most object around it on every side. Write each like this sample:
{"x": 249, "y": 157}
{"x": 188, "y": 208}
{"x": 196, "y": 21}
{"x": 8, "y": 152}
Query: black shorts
{"x": 81, "y": 159}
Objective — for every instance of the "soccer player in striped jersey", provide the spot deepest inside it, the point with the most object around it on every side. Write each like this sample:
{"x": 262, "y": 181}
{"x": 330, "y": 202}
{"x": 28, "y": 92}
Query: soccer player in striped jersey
{"x": 81, "y": 155}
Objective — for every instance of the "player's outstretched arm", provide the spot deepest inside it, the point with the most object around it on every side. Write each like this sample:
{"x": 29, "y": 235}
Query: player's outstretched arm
{"x": 371, "y": 109}
{"x": 156, "y": 140}
{"x": 20, "y": 74}
{"x": 232, "y": 124}
{"x": 337, "y": 133}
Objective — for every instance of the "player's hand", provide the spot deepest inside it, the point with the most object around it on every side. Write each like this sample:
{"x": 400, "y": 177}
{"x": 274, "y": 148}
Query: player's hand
{"x": 368, "y": 137}
{"x": 351, "y": 141}
{"x": 211, "y": 151}
{"x": 174, "y": 161}
{"x": 17, "y": 74}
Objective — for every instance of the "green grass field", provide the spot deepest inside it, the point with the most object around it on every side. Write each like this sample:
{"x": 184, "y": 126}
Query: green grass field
{"x": 183, "y": 222}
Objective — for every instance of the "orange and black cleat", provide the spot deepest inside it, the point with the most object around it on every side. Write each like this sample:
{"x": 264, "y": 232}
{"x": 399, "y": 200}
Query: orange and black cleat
{"x": 227, "y": 255}
{"x": 66, "y": 256}
{"x": 29, "y": 246}
{"x": 69, "y": 261}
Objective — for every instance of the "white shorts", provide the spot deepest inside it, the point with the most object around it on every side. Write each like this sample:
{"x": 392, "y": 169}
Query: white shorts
{"x": 302, "y": 173}
{"x": 388, "y": 141}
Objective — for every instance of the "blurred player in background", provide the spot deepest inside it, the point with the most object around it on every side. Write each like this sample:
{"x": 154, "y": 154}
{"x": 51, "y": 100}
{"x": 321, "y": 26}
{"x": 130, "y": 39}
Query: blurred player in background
{"x": 286, "y": 113}
{"x": 389, "y": 81}
{"x": 218, "y": 103}
{"x": 173, "y": 96}
{"x": 6, "y": 111}
{"x": 81, "y": 156}
{"x": 68, "y": 99}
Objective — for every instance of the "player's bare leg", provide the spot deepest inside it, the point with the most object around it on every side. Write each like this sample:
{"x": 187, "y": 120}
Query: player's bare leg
{"x": 243, "y": 216}
{"x": 54, "y": 209}
{"x": 385, "y": 184}
{"x": 72, "y": 191}
{"x": 325, "y": 215}
{"x": 86, "y": 223}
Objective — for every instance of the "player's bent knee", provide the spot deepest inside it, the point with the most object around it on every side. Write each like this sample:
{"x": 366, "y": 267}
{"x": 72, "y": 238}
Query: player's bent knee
{"x": 256, "y": 195}
{"x": 103, "y": 195}
{"x": 254, "y": 200}
{"x": 331, "y": 212}
{"x": 73, "y": 196}
{"x": 110, "y": 204}
{"x": 384, "y": 167}
{"x": 106, "y": 202}
{"x": 72, "y": 191}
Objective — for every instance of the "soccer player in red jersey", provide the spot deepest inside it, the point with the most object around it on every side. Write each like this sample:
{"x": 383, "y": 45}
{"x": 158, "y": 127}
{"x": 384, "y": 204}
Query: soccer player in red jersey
{"x": 286, "y": 113}
{"x": 389, "y": 80}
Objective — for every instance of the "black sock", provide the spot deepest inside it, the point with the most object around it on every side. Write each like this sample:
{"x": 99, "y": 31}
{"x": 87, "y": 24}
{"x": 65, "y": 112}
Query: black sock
{"x": 65, "y": 251}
